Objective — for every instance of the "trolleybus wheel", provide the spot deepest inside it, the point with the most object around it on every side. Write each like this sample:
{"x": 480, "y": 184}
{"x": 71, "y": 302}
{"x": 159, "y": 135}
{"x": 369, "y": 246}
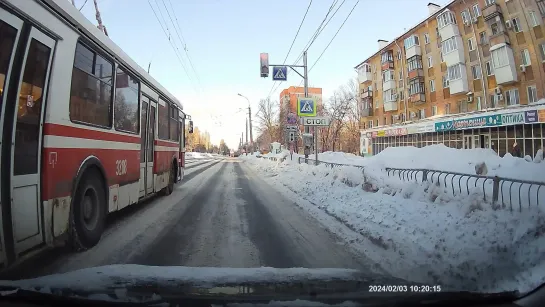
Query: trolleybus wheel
{"x": 88, "y": 216}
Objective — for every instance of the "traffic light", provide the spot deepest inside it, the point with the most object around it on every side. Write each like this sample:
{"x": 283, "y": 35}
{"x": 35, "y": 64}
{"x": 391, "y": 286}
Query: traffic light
{"x": 190, "y": 126}
{"x": 264, "y": 57}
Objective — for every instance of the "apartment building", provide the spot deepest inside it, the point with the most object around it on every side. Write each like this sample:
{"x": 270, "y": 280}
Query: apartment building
{"x": 471, "y": 75}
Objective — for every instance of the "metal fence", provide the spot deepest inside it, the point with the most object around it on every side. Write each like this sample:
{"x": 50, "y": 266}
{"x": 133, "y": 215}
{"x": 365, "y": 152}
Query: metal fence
{"x": 497, "y": 190}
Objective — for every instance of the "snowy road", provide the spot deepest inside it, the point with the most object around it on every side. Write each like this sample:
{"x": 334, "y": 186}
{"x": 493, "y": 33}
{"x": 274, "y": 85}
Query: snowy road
{"x": 222, "y": 215}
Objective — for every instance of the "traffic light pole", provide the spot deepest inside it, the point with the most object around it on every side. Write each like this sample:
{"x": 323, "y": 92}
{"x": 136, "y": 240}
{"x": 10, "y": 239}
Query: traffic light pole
{"x": 305, "y": 78}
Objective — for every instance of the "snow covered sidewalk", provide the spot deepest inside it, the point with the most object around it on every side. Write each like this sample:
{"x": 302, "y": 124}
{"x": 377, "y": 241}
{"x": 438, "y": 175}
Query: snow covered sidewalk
{"x": 457, "y": 241}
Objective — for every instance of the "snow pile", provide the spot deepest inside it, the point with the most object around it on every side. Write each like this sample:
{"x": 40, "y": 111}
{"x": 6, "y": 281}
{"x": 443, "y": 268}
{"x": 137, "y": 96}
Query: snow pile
{"x": 422, "y": 232}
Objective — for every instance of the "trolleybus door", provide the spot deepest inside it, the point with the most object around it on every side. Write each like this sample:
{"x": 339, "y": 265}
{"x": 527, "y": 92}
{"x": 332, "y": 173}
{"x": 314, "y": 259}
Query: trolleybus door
{"x": 143, "y": 143}
{"x": 10, "y": 31}
{"x": 150, "y": 148}
{"x": 26, "y": 140}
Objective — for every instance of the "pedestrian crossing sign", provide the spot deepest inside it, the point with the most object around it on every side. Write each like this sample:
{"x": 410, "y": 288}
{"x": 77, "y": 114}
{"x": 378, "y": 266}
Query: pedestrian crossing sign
{"x": 306, "y": 107}
{"x": 280, "y": 73}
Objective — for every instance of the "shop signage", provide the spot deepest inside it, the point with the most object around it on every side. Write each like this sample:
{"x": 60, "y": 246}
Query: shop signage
{"x": 530, "y": 116}
{"x": 512, "y": 118}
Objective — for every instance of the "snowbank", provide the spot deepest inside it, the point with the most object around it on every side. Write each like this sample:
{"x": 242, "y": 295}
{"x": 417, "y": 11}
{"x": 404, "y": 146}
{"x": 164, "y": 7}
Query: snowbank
{"x": 422, "y": 232}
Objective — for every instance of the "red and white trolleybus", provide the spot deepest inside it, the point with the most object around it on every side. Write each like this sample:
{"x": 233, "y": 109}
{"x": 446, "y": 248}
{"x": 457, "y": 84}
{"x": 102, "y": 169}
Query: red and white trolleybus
{"x": 85, "y": 130}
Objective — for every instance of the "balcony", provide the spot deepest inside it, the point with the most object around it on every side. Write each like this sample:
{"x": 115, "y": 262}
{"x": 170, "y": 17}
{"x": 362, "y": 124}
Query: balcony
{"x": 390, "y": 106}
{"x": 364, "y": 73}
{"x": 499, "y": 38}
{"x": 457, "y": 55}
{"x": 507, "y": 72}
{"x": 419, "y": 72}
{"x": 366, "y": 94}
{"x": 491, "y": 11}
{"x": 388, "y": 85}
{"x": 418, "y": 98}
{"x": 387, "y": 65}
{"x": 459, "y": 86}
{"x": 366, "y": 112}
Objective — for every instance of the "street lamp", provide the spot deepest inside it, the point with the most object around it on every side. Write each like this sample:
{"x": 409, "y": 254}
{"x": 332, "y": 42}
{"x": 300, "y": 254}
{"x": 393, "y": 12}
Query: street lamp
{"x": 250, "y": 121}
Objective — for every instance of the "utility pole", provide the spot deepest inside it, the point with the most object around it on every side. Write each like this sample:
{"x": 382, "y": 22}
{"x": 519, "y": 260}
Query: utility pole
{"x": 100, "y": 26}
{"x": 251, "y": 134}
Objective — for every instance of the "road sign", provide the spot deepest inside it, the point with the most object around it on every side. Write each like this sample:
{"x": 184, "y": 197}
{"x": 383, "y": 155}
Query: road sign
{"x": 280, "y": 73}
{"x": 291, "y": 128}
{"x": 264, "y": 67}
{"x": 316, "y": 121}
{"x": 292, "y": 119}
{"x": 306, "y": 106}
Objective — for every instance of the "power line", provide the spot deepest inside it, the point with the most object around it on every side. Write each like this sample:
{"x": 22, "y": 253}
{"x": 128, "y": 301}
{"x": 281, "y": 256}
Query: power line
{"x": 293, "y": 41}
{"x": 319, "y": 57}
{"x": 180, "y": 37}
{"x": 312, "y": 39}
{"x": 171, "y": 44}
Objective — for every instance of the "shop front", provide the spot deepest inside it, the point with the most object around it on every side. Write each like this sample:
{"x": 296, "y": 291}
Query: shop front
{"x": 497, "y": 130}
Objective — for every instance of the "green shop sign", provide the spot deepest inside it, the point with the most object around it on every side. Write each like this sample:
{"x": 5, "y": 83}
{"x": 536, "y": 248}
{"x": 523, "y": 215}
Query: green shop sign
{"x": 481, "y": 121}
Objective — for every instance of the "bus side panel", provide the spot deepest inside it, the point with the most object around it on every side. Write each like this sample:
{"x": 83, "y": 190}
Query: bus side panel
{"x": 64, "y": 156}
{"x": 165, "y": 153}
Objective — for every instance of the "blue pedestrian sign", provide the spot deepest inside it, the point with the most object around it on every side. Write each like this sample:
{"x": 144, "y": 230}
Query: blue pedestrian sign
{"x": 306, "y": 107}
{"x": 280, "y": 73}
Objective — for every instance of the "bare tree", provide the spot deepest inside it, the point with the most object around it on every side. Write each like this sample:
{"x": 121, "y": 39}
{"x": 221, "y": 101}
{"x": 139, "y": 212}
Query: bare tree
{"x": 267, "y": 118}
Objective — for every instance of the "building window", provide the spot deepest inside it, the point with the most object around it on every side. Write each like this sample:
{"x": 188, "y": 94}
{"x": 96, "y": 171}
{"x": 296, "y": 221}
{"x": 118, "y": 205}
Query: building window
{"x": 476, "y": 10}
{"x": 426, "y": 38}
{"x": 416, "y": 86}
{"x": 422, "y": 113}
{"x": 433, "y": 110}
{"x": 516, "y": 24}
{"x": 455, "y": 72}
{"x": 489, "y": 70}
{"x": 534, "y": 20}
{"x": 387, "y": 57}
{"x": 401, "y": 95}
{"x": 479, "y": 105}
{"x": 512, "y": 97}
{"x": 399, "y": 55}
{"x": 495, "y": 28}
{"x": 476, "y": 72}
{"x": 388, "y": 75}
{"x": 466, "y": 18}
{"x": 532, "y": 94}
{"x": 126, "y": 107}
{"x": 414, "y": 63}
{"x": 400, "y": 75}
{"x": 471, "y": 43}
{"x": 542, "y": 51}
{"x": 91, "y": 89}
{"x": 447, "y": 108}
{"x": 541, "y": 6}
{"x": 499, "y": 57}
{"x": 430, "y": 61}
{"x": 432, "y": 86}
{"x": 489, "y": 2}
{"x": 483, "y": 39}
{"x": 370, "y": 124}
{"x": 525, "y": 55}
{"x": 411, "y": 41}
{"x": 389, "y": 96}
{"x": 378, "y": 124}
{"x": 446, "y": 19}
{"x": 448, "y": 45}
{"x": 446, "y": 82}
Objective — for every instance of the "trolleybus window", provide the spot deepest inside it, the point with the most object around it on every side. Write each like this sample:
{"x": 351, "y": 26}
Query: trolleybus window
{"x": 143, "y": 122}
{"x": 91, "y": 92}
{"x": 7, "y": 39}
{"x": 163, "y": 119}
{"x": 173, "y": 123}
{"x": 126, "y": 115}
{"x": 30, "y": 109}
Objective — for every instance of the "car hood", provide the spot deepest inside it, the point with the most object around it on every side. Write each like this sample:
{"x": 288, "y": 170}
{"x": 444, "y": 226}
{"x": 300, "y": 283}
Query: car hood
{"x": 203, "y": 280}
